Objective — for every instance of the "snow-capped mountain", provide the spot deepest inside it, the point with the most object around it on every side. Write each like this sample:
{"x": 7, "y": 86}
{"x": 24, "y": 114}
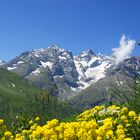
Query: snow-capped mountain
{"x": 51, "y": 68}
{"x": 58, "y": 71}
{"x": 91, "y": 67}
{"x": 2, "y": 62}
{"x": 119, "y": 81}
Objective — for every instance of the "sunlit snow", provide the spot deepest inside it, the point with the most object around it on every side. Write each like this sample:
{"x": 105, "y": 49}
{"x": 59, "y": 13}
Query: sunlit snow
{"x": 11, "y": 68}
{"x": 36, "y": 72}
{"x": 62, "y": 58}
{"x": 47, "y": 64}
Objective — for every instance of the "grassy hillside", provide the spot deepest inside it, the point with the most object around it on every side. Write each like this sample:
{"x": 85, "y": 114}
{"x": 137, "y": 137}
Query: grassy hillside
{"x": 102, "y": 91}
{"x": 17, "y": 96}
{"x": 15, "y": 89}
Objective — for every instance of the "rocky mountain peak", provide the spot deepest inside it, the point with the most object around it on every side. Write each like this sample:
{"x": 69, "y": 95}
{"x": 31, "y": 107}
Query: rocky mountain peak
{"x": 87, "y": 52}
{"x": 55, "y": 47}
{"x": 52, "y": 52}
{"x": 50, "y": 47}
{"x": 2, "y": 62}
{"x": 86, "y": 55}
{"x": 130, "y": 66}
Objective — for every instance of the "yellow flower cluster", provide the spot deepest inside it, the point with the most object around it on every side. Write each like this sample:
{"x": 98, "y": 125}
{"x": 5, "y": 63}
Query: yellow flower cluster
{"x": 99, "y": 123}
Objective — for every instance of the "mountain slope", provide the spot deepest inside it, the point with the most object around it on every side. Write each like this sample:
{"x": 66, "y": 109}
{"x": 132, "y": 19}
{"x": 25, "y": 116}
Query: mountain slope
{"x": 102, "y": 91}
{"x": 13, "y": 86}
{"x": 130, "y": 67}
{"x": 18, "y": 96}
{"x": 15, "y": 93}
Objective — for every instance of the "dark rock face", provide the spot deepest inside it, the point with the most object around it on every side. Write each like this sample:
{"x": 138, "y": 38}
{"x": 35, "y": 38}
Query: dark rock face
{"x": 52, "y": 68}
{"x": 95, "y": 64}
{"x": 87, "y": 55}
{"x": 130, "y": 67}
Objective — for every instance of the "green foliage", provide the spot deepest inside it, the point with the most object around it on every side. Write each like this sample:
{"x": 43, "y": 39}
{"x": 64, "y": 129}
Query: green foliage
{"x": 20, "y": 100}
{"x": 100, "y": 122}
{"x": 131, "y": 97}
{"x": 45, "y": 107}
{"x": 20, "y": 122}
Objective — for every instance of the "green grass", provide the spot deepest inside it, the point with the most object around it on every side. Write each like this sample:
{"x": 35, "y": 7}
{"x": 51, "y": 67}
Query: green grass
{"x": 16, "y": 89}
{"x": 17, "y": 96}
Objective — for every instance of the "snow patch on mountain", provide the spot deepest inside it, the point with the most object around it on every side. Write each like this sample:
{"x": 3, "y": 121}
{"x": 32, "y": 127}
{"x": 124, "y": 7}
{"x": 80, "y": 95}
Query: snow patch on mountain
{"x": 36, "y": 72}
{"x": 90, "y": 68}
{"x": 20, "y": 62}
{"x": 11, "y": 68}
{"x": 47, "y": 64}
{"x": 37, "y": 52}
{"x": 97, "y": 72}
{"x": 62, "y": 58}
{"x": 2, "y": 62}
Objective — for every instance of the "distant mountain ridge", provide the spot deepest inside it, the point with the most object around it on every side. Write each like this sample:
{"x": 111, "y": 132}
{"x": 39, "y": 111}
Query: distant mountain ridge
{"x": 61, "y": 73}
{"x": 2, "y": 62}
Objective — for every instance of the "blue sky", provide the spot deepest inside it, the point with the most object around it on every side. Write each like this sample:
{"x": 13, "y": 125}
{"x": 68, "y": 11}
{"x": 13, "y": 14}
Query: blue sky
{"x": 75, "y": 25}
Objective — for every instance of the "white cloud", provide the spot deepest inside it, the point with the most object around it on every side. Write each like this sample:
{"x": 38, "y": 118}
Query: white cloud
{"x": 124, "y": 50}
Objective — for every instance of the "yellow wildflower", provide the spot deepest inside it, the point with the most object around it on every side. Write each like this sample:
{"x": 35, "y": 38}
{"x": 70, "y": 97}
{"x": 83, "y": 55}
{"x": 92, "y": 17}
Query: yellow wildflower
{"x": 124, "y": 119}
{"x": 7, "y": 134}
{"x": 124, "y": 110}
{"x": 132, "y": 114}
{"x": 128, "y": 139}
{"x": 37, "y": 119}
{"x": 1, "y": 121}
{"x": 31, "y": 122}
{"x": 24, "y": 132}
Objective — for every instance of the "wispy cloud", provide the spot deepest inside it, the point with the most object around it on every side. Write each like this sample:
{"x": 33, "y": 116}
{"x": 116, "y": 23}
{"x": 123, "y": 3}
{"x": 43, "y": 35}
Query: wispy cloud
{"x": 124, "y": 50}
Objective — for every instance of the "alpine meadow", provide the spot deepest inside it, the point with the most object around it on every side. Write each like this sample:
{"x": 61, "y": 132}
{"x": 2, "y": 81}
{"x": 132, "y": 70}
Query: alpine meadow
{"x": 69, "y": 70}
